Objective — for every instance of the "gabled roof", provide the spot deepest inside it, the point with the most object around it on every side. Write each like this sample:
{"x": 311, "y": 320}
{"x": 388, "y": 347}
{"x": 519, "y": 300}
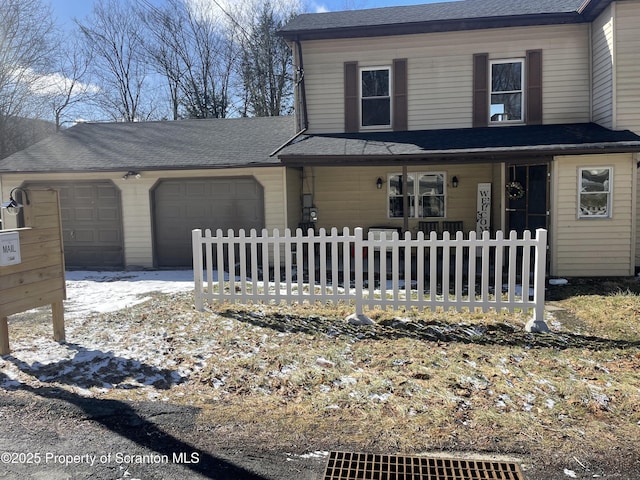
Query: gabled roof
{"x": 466, "y": 144}
{"x": 182, "y": 144}
{"x": 444, "y": 16}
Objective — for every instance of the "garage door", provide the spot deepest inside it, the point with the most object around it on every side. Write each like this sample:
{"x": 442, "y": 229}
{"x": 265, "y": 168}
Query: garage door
{"x": 91, "y": 223}
{"x": 180, "y": 205}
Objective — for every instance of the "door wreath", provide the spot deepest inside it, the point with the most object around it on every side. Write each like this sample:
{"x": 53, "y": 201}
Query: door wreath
{"x": 515, "y": 190}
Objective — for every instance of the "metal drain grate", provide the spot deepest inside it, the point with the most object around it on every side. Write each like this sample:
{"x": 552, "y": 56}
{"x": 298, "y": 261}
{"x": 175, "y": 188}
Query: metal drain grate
{"x": 366, "y": 466}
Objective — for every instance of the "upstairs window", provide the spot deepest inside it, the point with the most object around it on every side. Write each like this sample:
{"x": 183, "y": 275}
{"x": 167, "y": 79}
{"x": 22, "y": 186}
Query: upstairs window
{"x": 595, "y": 192}
{"x": 424, "y": 190}
{"x": 375, "y": 97}
{"x": 507, "y": 92}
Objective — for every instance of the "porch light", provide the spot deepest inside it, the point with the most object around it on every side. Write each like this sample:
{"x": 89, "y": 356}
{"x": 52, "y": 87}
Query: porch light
{"x": 454, "y": 182}
{"x": 131, "y": 173}
{"x": 13, "y": 206}
{"x": 379, "y": 183}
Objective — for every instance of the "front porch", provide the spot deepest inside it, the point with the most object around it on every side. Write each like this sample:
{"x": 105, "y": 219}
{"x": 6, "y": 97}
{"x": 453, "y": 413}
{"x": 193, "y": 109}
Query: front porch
{"x": 517, "y": 178}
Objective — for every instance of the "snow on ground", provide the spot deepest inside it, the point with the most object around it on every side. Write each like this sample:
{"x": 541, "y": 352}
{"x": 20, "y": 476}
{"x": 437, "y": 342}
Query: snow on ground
{"x": 96, "y": 357}
{"x": 102, "y": 292}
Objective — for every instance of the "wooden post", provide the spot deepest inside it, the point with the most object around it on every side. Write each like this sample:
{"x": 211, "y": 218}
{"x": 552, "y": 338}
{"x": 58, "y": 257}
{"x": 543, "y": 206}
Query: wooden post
{"x": 57, "y": 312}
{"x": 4, "y": 337}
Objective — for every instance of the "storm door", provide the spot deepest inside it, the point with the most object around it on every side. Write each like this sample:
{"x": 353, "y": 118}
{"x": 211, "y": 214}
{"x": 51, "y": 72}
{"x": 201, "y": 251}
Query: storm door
{"x": 527, "y": 197}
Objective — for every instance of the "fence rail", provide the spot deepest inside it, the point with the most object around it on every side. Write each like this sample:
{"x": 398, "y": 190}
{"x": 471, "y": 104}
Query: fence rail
{"x": 374, "y": 272}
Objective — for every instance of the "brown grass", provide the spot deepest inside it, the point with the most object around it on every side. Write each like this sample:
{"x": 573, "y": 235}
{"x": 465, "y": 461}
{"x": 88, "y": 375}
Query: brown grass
{"x": 300, "y": 378}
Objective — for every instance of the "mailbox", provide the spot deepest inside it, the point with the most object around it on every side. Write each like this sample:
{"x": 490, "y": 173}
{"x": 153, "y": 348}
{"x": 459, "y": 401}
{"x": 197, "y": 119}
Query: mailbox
{"x": 9, "y": 249}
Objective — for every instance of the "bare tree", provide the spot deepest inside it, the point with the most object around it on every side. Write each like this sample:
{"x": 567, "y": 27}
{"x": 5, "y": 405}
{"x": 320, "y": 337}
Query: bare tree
{"x": 190, "y": 47}
{"x": 68, "y": 87}
{"x": 163, "y": 44}
{"x": 207, "y": 56}
{"x": 113, "y": 36}
{"x": 26, "y": 47}
{"x": 266, "y": 64}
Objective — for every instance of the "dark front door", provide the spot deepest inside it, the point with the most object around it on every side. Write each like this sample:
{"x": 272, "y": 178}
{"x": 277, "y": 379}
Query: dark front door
{"x": 527, "y": 193}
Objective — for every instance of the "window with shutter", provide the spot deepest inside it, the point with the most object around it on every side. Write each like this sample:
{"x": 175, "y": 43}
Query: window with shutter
{"x": 375, "y": 96}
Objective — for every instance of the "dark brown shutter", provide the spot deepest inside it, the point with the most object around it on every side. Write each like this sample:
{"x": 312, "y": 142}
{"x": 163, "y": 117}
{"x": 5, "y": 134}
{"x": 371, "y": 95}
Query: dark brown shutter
{"x": 533, "y": 111}
{"x": 351, "y": 110}
{"x": 400, "y": 94}
{"x": 480, "y": 90}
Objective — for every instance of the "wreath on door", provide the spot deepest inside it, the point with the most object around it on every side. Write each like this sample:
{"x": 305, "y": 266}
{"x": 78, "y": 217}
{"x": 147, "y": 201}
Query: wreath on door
{"x": 515, "y": 190}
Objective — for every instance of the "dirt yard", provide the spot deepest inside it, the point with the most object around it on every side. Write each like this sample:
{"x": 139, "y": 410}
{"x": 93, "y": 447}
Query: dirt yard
{"x": 158, "y": 390}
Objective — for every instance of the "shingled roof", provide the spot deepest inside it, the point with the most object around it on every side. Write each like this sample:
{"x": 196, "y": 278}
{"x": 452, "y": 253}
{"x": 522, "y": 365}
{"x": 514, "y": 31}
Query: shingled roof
{"x": 184, "y": 144}
{"x": 467, "y": 144}
{"x": 444, "y": 16}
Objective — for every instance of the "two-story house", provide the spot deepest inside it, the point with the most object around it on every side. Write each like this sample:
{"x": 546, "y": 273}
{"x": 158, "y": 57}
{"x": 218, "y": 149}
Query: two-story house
{"x": 467, "y": 115}
{"x": 418, "y": 117}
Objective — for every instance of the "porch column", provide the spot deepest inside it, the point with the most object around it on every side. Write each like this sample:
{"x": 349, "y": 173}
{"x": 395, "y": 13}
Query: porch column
{"x": 405, "y": 201}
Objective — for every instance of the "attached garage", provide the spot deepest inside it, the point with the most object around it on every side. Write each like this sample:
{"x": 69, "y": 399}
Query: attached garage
{"x": 91, "y": 223}
{"x": 180, "y": 205}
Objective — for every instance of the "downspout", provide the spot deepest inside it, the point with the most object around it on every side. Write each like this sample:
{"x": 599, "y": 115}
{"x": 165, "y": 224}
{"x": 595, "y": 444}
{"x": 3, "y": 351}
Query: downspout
{"x": 303, "y": 99}
{"x": 300, "y": 84}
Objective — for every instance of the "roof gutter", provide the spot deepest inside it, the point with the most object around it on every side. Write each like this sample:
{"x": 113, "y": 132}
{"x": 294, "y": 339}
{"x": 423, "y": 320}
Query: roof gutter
{"x": 463, "y": 155}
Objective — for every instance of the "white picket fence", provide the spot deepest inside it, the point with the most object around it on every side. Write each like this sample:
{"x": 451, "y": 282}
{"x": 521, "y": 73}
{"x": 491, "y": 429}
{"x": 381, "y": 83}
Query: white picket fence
{"x": 374, "y": 272}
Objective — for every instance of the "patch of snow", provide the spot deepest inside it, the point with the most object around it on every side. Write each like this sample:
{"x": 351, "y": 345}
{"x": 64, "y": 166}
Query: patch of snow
{"x": 103, "y": 292}
{"x": 324, "y": 363}
{"x": 97, "y": 359}
{"x": 570, "y": 473}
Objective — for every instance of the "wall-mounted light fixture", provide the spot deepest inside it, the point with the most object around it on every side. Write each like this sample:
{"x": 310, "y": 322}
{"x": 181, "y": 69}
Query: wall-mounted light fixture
{"x": 454, "y": 182}
{"x": 131, "y": 173}
{"x": 379, "y": 183}
{"x": 13, "y": 206}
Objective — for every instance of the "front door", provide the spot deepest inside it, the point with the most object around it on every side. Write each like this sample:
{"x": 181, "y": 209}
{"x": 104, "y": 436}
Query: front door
{"x": 527, "y": 193}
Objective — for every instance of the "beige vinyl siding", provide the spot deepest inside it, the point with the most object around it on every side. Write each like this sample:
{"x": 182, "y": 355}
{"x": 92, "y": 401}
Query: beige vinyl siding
{"x": 348, "y": 197}
{"x": 440, "y": 72}
{"x": 136, "y": 200}
{"x": 627, "y": 67}
{"x": 627, "y": 75}
{"x": 597, "y": 246}
{"x": 294, "y": 197}
{"x": 602, "y": 77}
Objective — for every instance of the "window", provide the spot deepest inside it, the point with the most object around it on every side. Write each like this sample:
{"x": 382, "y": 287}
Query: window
{"x": 507, "y": 91}
{"x": 425, "y": 189}
{"x": 375, "y": 101}
{"x": 396, "y": 204}
{"x": 431, "y": 195}
{"x": 595, "y": 192}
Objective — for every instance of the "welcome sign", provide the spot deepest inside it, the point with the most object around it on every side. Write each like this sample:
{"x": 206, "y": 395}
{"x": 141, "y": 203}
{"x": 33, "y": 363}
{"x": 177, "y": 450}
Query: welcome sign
{"x": 483, "y": 216}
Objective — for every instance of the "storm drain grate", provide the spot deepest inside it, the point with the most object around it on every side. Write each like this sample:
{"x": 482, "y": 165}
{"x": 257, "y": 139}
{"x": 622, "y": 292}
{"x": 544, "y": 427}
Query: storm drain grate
{"x": 366, "y": 466}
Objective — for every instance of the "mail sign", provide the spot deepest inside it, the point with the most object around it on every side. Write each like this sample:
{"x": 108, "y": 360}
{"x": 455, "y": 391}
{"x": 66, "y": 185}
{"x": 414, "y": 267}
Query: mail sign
{"x": 9, "y": 249}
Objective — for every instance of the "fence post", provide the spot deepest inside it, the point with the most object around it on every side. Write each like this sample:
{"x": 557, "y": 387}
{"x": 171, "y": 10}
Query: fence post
{"x": 537, "y": 323}
{"x": 359, "y": 318}
{"x": 196, "y": 237}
